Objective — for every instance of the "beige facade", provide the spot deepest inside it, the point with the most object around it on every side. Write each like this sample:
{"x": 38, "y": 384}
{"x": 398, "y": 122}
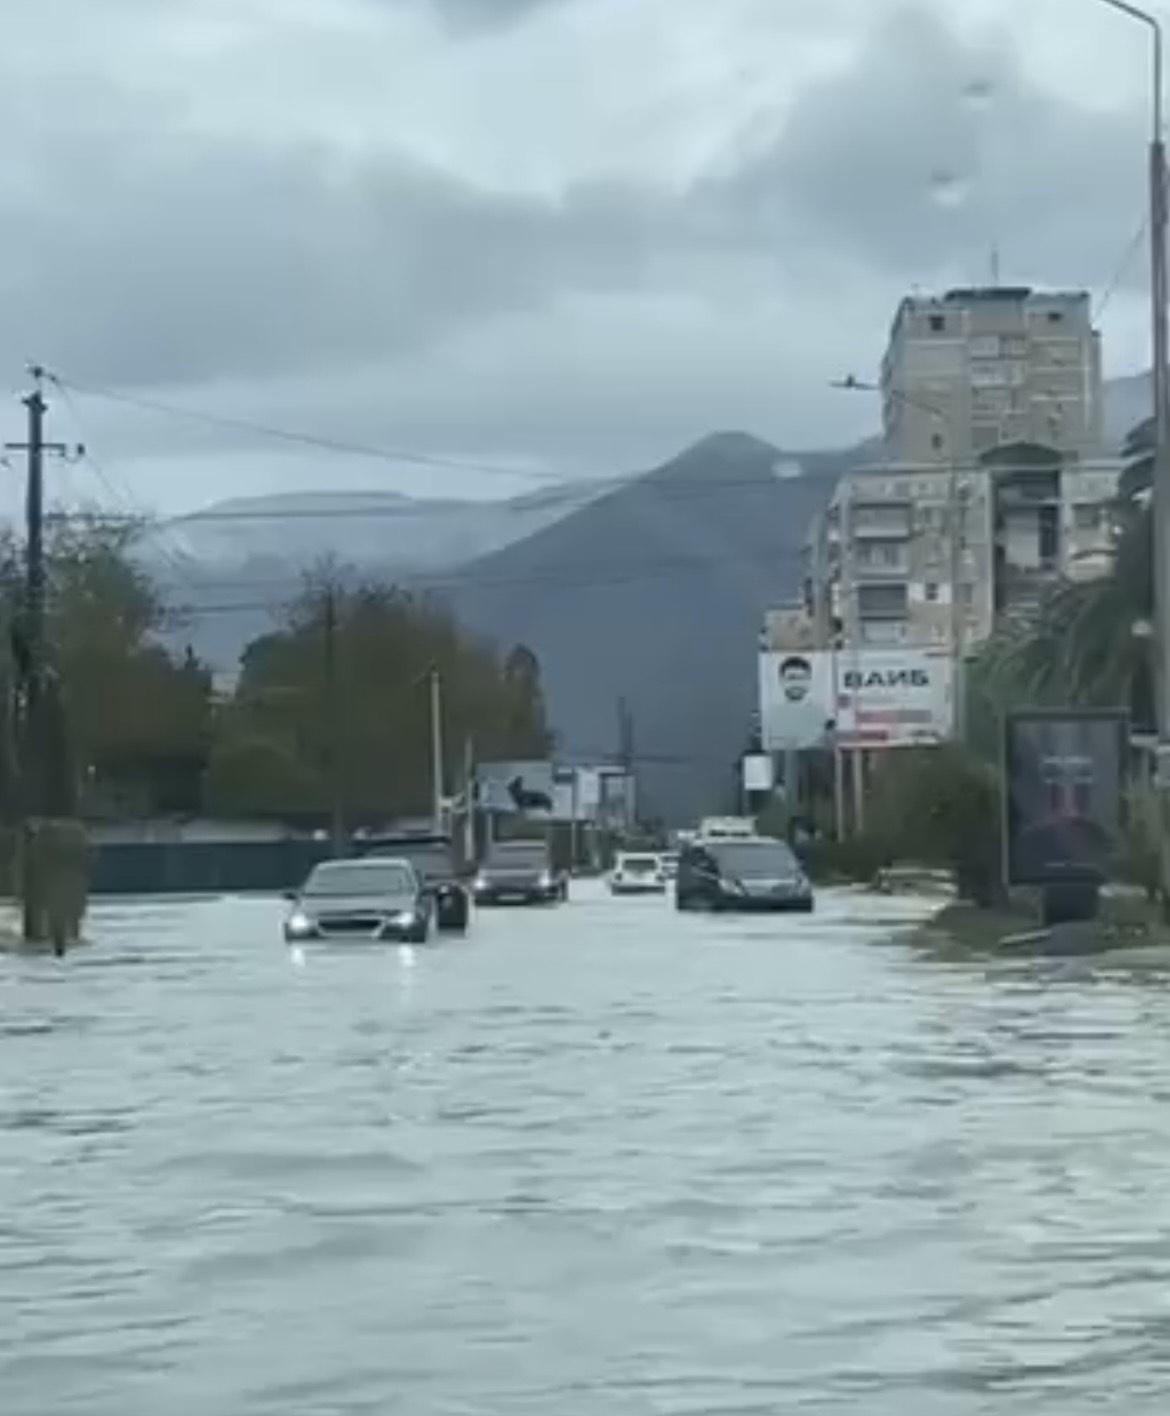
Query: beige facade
{"x": 880, "y": 564}
{"x": 975, "y": 369}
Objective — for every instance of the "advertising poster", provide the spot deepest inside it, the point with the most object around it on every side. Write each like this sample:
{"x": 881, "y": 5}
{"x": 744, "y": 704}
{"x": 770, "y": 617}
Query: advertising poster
{"x": 796, "y": 700}
{"x": 1063, "y": 787}
{"x": 894, "y": 698}
{"x": 870, "y": 698}
{"x": 516, "y": 789}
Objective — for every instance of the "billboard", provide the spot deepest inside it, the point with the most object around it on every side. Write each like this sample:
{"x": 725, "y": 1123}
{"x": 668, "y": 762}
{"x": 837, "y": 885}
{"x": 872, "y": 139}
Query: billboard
{"x": 576, "y": 793}
{"x": 1063, "y": 784}
{"x": 617, "y": 808}
{"x": 871, "y": 698}
{"x": 796, "y": 699}
{"x": 894, "y": 697}
{"x": 759, "y": 772}
{"x": 516, "y": 789}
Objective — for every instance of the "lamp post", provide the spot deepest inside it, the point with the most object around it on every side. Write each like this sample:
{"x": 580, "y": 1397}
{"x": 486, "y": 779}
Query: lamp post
{"x": 955, "y": 531}
{"x": 1159, "y": 337}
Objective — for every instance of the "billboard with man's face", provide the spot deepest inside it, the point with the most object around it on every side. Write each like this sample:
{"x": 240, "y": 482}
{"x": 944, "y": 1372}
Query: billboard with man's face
{"x": 796, "y": 700}
{"x": 1064, "y": 780}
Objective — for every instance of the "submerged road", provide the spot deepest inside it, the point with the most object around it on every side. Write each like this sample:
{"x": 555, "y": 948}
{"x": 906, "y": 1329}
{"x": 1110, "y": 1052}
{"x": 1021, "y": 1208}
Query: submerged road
{"x": 598, "y": 1160}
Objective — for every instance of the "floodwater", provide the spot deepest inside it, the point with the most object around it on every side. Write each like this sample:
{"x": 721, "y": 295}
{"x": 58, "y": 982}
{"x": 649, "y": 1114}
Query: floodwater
{"x": 604, "y": 1159}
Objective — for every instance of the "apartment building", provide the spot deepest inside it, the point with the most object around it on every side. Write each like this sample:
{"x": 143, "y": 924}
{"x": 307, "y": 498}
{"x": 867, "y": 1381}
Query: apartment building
{"x": 974, "y": 369}
{"x": 915, "y": 554}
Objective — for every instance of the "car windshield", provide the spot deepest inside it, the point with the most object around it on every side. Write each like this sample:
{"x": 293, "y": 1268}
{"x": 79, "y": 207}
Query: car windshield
{"x": 519, "y": 853}
{"x": 755, "y": 859}
{"x": 359, "y": 879}
{"x": 639, "y": 863}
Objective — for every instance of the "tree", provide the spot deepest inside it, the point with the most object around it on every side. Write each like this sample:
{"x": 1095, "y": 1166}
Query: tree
{"x": 136, "y": 720}
{"x": 288, "y": 736}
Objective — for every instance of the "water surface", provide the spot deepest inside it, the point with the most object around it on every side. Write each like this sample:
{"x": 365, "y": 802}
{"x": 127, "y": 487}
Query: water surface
{"x": 598, "y": 1160}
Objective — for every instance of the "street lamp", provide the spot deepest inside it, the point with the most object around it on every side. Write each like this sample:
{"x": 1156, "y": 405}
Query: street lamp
{"x": 852, "y": 384}
{"x": 1160, "y": 340}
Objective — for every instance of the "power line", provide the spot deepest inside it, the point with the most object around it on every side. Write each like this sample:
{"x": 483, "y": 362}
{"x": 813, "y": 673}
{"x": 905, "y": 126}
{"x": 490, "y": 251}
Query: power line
{"x": 648, "y": 570}
{"x": 297, "y": 436}
{"x": 177, "y": 558}
{"x": 1122, "y": 268}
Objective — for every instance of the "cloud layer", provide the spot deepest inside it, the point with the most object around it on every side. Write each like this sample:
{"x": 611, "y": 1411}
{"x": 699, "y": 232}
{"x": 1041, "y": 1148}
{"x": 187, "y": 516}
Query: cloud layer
{"x": 565, "y": 230}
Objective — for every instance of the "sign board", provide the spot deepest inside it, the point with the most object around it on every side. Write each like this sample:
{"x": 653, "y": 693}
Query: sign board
{"x": 617, "y": 807}
{"x": 759, "y": 772}
{"x": 575, "y": 794}
{"x": 894, "y": 697}
{"x": 871, "y": 698}
{"x": 1063, "y": 785}
{"x": 796, "y": 700}
{"x": 516, "y": 789}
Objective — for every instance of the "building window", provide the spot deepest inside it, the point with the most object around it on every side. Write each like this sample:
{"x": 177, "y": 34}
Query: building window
{"x": 1055, "y": 317}
{"x": 936, "y": 441}
{"x": 937, "y": 324}
{"x": 932, "y": 591}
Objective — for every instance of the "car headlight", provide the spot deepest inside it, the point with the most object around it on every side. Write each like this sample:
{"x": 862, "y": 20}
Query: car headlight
{"x": 299, "y": 925}
{"x": 732, "y": 887}
{"x": 405, "y": 918}
{"x": 546, "y": 880}
{"x": 481, "y": 884}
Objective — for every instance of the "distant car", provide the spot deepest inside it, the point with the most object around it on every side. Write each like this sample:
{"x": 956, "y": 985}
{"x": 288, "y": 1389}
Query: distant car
{"x": 638, "y": 874}
{"x": 434, "y": 860}
{"x": 522, "y": 873}
{"x": 356, "y": 900}
{"x": 744, "y": 873}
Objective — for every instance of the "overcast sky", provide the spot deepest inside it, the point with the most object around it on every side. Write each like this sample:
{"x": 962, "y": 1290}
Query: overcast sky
{"x": 555, "y": 236}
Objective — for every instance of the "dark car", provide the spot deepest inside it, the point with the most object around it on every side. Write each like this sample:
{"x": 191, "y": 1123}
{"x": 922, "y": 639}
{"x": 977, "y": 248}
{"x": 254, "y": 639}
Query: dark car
{"x": 358, "y": 900}
{"x": 522, "y": 873}
{"x": 436, "y": 864}
{"x": 748, "y": 873}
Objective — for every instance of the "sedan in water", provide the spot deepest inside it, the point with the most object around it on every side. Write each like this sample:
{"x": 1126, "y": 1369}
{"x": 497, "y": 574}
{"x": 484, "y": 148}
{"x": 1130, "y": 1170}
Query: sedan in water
{"x": 751, "y": 874}
{"x": 638, "y": 875}
{"x": 519, "y": 873}
{"x": 354, "y": 901}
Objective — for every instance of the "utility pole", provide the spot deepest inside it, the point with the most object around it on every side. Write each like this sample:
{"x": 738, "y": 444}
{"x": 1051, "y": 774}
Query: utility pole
{"x": 333, "y": 725}
{"x": 1160, "y": 344}
{"x": 469, "y": 800}
{"x": 436, "y": 686}
{"x": 35, "y": 746}
{"x": 626, "y": 756}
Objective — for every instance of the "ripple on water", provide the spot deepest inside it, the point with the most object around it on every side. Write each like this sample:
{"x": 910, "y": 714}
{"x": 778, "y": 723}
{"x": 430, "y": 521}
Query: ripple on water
{"x": 604, "y": 1160}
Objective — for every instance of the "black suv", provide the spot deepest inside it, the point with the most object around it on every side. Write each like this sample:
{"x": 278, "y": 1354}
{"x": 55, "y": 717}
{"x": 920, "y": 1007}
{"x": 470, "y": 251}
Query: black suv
{"x": 741, "y": 873}
{"x": 436, "y": 864}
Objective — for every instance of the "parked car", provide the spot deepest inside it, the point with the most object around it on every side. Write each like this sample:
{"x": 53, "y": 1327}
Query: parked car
{"x": 522, "y": 873}
{"x": 356, "y": 900}
{"x": 436, "y": 864}
{"x": 638, "y": 874}
{"x": 746, "y": 873}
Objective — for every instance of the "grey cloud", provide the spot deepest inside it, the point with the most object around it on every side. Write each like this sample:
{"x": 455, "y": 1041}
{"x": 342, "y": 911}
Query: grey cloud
{"x": 927, "y": 150}
{"x": 171, "y": 257}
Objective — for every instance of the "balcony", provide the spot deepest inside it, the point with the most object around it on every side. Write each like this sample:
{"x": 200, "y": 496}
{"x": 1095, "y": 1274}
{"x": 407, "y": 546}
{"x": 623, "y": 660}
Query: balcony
{"x": 882, "y": 602}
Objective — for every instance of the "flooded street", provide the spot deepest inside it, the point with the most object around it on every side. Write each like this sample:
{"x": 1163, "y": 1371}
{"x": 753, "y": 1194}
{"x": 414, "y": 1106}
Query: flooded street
{"x": 604, "y": 1159}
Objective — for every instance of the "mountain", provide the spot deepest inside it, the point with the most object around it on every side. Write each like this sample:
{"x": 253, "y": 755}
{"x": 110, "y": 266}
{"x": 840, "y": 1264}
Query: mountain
{"x": 231, "y": 565}
{"x": 655, "y": 593}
